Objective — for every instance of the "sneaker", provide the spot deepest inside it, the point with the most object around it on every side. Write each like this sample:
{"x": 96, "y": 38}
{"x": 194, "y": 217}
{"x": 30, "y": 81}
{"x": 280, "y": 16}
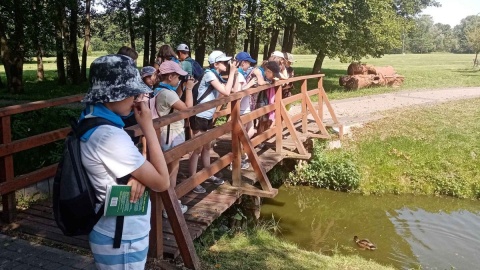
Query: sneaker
{"x": 184, "y": 209}
{"x": 217, "y": 181}
{"x": 245, "y": 164}
{"x": 199, "y": 189}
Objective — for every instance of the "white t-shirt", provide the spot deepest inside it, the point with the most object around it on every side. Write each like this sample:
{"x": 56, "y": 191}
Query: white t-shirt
{"x": 109, "y": 154}
{"x": 204, "y": 84}
{"x": 245, "y": 103}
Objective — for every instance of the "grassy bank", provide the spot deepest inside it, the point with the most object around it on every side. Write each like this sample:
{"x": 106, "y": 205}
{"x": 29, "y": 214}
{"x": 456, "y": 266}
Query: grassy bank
{"x": 421, "y": 71}
{"x": 431, "y": 150}
{"x": 261, "y": 250}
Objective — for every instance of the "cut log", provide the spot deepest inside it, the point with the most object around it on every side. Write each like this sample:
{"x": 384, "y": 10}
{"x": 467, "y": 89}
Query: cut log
{"x": 356, "y": 82}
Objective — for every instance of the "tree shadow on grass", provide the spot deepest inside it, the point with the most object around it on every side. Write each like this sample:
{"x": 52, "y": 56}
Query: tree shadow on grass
{"x": 468, "y": 72}
{"x": 330, "y": 81}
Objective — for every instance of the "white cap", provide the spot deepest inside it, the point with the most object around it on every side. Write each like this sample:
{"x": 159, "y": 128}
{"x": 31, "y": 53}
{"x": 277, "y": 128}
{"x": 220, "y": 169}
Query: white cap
{"x": 183, "y": 47}
{"x": 279, "y": 54}
{"x": 218, "y": 56}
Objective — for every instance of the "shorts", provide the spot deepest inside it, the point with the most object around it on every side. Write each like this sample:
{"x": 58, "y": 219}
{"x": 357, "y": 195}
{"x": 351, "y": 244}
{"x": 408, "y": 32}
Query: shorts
{"x": 177, "y": 137}
{"x": 198, "y": 123}
{"x": 132, "y": 254}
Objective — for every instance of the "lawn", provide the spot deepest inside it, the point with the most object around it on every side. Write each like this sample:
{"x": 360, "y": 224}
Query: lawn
{"x": 422, "y": 71}
{"x": 430, "y": 150}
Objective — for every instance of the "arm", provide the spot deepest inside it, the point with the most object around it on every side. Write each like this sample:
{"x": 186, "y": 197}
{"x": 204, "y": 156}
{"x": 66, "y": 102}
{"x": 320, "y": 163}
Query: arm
{"x": 259, "y": 76}
{"x": 154, "y": 173}
{"x": 180, "y": 105}
{"x": 226, "y": 89}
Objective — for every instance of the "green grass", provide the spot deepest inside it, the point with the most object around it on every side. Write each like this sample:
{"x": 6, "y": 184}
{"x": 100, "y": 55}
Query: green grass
{"x": 432, "y": 150}
{"x": 422, "y": 71}
{"x": 261, "y": 250}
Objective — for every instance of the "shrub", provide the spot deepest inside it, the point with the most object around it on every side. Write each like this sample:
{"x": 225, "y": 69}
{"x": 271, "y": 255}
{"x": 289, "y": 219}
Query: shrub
{"x": 327, "y": 169}
{"x": 37, "y": 122}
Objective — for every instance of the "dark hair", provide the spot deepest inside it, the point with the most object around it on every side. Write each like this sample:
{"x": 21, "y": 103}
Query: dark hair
{"x": 166, "y": 53}
{"x": 125, "y": 50}
{"x": 272, "y": 66}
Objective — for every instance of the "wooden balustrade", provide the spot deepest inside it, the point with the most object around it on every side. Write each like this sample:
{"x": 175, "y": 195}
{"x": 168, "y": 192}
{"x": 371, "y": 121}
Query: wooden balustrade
{"x": 9, "y": 183}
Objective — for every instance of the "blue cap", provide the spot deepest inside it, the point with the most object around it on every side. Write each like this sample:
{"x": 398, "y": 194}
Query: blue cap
{"x": 244, "y": 56}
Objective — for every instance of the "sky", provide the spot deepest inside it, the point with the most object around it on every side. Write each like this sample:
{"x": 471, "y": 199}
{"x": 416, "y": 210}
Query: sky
{"x": 453, "y": 11}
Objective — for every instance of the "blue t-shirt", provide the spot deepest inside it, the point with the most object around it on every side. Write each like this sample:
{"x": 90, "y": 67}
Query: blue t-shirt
{"x": 204, "y": 84}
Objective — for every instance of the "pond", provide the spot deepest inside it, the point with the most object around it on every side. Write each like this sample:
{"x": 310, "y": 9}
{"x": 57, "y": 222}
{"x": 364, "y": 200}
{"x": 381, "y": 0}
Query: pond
{"x": 409, "y": 231}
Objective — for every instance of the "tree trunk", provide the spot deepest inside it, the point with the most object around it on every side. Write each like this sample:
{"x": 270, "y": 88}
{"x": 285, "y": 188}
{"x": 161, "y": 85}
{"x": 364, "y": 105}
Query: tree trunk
{"x": 273, "y": 42}
{"x": 86, "y": 43}
{"x": 72, "y": 44}
{"x": 130, "y": 25}
{"x": 59, "y": 30}
{"x": 317, "y": 66}
{"x": 291, "y": 37}
{"x": 5, "y": 52}
{"x": 146, "y": 35}
{"x": 232, "y": 32}
{"x": 247, "y": 25}
{"x": 153, "y": 45}
{"x": 475, "y": 62}
{"x": 36, "y": 5}
{"x": 286, "y": 37}
{"x": 201, "y": 32}
{"x": 256, "y": 48}
{"x": 1, "y": 83}
{"x": 17, "y": 52}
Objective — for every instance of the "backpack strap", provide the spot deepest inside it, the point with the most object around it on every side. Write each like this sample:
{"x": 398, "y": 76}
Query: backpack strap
{"x": 209, "y": 89}
{"x": 83, "y": 126}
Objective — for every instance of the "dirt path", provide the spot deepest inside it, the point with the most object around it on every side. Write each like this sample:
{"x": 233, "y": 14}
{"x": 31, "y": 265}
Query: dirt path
{"x": 354, "y": 111}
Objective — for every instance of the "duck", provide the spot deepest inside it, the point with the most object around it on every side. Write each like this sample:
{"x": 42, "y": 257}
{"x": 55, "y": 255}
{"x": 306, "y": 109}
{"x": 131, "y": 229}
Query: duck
{"x": 364, "y": 243}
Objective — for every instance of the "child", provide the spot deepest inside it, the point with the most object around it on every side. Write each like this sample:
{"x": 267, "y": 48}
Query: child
{"x": 165, "y": 53}
{"x": 149, "y": 76}
{"x": 203, "y": 121}
{"x": 108, "y": 154}
{"x": 271, "y": 73}
{"x": 288, "y": 88}
{"x": 166, "y": 102}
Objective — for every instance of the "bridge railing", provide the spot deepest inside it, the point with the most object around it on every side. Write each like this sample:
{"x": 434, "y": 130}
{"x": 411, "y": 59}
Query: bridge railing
{"x": 9, "y": 183}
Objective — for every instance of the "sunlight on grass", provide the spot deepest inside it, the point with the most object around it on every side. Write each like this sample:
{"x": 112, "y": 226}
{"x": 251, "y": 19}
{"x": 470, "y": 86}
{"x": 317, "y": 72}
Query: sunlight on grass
{"x": 432, "y": 150}
{"x": 262, "y": 250}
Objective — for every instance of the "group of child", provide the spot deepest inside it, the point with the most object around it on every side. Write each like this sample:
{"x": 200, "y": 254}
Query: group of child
{"x": 116, "y": 92}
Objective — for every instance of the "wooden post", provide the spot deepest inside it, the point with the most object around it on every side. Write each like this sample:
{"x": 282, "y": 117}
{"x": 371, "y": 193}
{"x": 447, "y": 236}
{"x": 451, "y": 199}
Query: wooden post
{"x": 155, "y": 249}
{"x": 321, "y": 94}
{"x": 6, "y": 172}
{"x": 304, "y": 106}
{"x": 278, "y": 119}
{"x": 180, "y": 229}
{"x": 236, "y": 146}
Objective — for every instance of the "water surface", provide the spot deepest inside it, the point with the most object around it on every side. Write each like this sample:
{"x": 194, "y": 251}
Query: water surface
{"x": 409, "y": 231}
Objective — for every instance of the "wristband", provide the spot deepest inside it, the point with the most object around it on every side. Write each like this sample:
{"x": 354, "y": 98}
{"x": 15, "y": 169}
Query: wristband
{"x": 188, "y": 89}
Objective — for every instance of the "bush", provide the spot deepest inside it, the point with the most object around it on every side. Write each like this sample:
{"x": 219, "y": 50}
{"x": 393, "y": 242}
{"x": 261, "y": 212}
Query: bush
{"x": 333, "y": 170}
{"x": 37, "y": 122}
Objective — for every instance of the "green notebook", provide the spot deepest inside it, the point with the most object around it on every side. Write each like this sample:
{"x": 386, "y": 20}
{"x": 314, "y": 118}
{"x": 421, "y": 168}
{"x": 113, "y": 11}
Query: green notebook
{"x": 117, "y": 202}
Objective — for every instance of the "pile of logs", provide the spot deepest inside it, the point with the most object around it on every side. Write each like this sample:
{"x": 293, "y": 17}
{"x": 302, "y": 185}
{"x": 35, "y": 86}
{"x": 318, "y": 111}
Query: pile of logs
{"x": 363, "y": 76}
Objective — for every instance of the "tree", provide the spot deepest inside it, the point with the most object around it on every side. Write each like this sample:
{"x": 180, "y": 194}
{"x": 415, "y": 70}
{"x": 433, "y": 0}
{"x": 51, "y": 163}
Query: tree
{"x": 420, "y": 38}
{"x": 86, "y": 42}
{"x": 350, "y": 30}
{"x": 472, "y": 32}
{"x": 12, "y": 42}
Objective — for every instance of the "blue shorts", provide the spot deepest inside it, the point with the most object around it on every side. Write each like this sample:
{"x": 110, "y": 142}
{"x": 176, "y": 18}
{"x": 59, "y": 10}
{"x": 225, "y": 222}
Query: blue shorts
{"x": 132, "y": 254}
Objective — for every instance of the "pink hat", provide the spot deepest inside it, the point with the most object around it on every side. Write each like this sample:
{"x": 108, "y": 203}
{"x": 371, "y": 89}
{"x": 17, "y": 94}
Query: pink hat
{"x": 171, "y": 67}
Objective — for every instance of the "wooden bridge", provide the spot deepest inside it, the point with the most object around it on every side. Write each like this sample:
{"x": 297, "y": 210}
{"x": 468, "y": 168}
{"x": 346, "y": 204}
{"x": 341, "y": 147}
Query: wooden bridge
{"x": 174, "y": 236}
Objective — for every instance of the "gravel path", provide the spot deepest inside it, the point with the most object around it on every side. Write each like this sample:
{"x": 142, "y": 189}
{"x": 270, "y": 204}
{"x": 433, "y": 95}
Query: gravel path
{"x": 353, "y": 111}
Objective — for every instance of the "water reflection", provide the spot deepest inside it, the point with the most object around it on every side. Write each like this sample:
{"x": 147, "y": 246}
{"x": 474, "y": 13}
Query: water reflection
{"x": 408, "y": 230}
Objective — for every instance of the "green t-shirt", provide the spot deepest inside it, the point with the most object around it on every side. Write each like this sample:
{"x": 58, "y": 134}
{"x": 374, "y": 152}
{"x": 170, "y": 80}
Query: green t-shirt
{"x": 187, "y": 66}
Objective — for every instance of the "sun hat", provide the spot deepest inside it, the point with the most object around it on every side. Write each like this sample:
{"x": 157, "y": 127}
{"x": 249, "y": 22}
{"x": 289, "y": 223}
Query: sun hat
{"x": 147, "y": 71}
{"x": 171, "y": 67}
{"x": 244, "y": 56}
{"x": 183, "y": 47}
{"x": 290, "y": 57}
{"x": 114, "y": 77}
{"x": 279, "y": 54}
{"x": 218, "y": 56}
{"x": 274, "y": 67}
